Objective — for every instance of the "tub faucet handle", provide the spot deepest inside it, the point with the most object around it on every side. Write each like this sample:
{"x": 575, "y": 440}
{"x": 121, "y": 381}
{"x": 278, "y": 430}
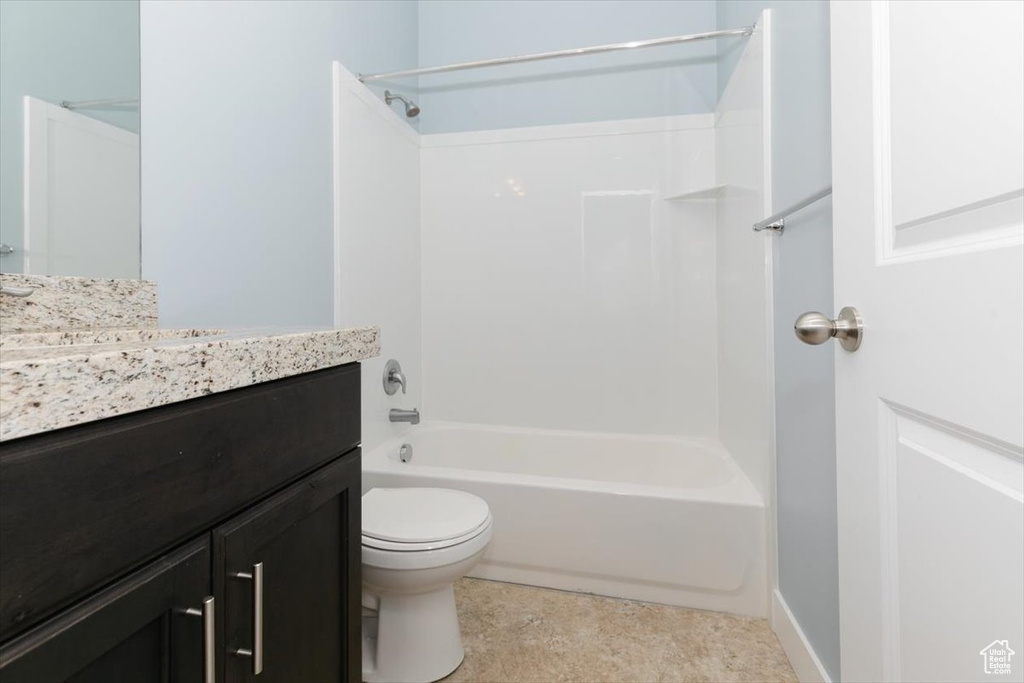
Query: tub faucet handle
{"x": 393, "y": 377}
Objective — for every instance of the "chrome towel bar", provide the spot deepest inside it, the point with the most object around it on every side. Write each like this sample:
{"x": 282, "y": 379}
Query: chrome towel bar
{"x": 777, "y": 221}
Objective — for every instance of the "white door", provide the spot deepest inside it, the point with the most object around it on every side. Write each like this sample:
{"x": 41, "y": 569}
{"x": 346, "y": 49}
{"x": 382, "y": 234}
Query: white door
{"x": 81, "y": 195}
{"x": 928, "y": 171}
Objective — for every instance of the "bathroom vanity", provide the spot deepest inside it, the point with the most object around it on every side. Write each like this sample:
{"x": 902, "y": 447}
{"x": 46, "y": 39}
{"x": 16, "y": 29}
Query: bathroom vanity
{"x": 116, "y": 533}
{"x": 208, "y": 538}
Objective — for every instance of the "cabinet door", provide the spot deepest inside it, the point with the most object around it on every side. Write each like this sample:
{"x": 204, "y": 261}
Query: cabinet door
{"x": 289, "y": 573}
{"x": 150, "y": 626}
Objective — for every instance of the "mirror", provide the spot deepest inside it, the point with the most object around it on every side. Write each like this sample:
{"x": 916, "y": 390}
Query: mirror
{"x": 69, "y": 137}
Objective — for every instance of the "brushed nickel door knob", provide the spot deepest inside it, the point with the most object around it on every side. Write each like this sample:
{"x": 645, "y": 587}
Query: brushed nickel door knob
{"x": 816, "y": 328}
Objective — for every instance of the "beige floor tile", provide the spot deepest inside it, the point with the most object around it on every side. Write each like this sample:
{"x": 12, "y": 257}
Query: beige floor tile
{"x": 521, "y": 634}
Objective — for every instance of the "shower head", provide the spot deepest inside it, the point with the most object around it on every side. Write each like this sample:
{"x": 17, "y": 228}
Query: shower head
{"x": 411, "y": 110}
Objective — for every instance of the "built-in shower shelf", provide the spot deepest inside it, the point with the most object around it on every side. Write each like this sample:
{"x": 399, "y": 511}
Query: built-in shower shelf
{"x": 711, "y": 192}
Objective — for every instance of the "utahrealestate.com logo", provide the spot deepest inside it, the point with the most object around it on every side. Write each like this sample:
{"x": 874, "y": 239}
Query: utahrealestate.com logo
{"x": 997, "y": 657}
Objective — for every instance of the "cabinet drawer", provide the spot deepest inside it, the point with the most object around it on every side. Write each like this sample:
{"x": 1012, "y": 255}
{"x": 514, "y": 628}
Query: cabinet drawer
{"x": 81, "y": 506}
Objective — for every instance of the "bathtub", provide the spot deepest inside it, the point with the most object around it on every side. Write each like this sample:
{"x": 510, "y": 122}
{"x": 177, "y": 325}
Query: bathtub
{"x": 658, "y": 519}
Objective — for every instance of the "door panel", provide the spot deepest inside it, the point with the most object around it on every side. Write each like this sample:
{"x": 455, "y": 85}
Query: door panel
{"x": 81, "y": 195}
{"x": 132, "y": 659}
{"x": 307, "y": 541}
{"x": 952, "y": 525}
{"x": 136, "y": 630}
{"x": 928, "y": 173}
{"x": 954, "y": 122}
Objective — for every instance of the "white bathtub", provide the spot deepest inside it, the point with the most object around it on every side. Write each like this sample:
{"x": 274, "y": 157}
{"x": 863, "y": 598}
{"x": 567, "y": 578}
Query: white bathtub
{"x": 658, "y": 519}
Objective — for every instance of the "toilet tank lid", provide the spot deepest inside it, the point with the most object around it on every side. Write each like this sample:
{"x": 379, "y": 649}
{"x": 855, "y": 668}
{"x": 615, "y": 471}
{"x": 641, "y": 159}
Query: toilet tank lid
{"x": 417, "y": 515}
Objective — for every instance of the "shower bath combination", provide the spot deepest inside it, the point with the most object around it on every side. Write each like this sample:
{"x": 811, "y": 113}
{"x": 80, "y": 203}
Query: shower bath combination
{"x": 411, "y": 110}
{"x": 618, "y": 509}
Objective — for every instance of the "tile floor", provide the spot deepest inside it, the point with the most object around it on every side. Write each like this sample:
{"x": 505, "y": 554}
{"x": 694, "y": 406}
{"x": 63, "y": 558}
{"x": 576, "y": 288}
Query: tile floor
{"x": 520, "y": 633}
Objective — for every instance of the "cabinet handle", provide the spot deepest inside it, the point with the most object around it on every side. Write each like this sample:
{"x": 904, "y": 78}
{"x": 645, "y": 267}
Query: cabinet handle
{"x": 256, "y": 576}
{"x": 207, "y": 613}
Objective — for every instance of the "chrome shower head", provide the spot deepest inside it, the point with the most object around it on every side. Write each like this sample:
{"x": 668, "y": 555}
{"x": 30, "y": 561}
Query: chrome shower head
{"x": 411, "y": 110}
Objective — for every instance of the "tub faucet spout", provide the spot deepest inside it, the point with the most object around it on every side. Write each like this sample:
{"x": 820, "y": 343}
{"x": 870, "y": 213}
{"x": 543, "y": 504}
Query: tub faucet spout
{"x": 410, "y": 416}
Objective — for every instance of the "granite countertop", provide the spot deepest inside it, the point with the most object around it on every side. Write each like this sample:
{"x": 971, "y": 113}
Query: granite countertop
{"x": 82, "y": 349}
{"x": 50, "y": 380}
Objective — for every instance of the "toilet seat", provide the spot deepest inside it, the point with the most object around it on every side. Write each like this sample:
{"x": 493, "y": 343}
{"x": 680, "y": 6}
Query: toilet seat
{"x": 410, "y": 519}
{"x": 407, "y": 547}
{"x": 427, "y": 560}
{"x": 419, "y": 528}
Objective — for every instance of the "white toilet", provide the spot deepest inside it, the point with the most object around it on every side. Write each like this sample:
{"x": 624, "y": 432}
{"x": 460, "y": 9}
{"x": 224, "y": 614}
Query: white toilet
{"x": 416, "y": 543}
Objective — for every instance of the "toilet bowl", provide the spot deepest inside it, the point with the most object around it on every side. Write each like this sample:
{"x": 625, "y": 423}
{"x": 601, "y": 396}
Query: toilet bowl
{"x": 416, "y": 543}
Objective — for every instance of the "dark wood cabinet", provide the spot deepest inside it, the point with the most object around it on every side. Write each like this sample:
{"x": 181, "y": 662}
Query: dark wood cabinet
{"x": 136, "y": 630}
{"x": 99, "y": 580}
{"x": 305, "y": 544}
{"x": 81, "y": 505}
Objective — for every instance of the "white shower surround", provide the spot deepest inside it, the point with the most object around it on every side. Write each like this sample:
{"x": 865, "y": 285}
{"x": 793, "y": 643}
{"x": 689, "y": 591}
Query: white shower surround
{"x": 561, "y": 288}
{"x": 542, "y": 349}
{"x": 377, "y": 242}
{"x": 658, "y": 519}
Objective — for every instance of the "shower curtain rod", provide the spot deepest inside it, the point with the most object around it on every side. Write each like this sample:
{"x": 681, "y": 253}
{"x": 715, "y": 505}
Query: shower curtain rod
{"x": 574, "y": 52}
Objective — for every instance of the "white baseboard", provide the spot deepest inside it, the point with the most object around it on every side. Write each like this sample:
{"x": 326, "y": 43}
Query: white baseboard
{"x": 801, "y": 655}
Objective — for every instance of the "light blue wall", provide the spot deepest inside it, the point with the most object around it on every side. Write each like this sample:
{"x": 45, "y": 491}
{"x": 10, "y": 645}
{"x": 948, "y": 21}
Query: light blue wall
{"x": 59, "y": 50}
{"x": 237, "y": 195}
{"x": 805, "y": 381}
{"x": 677, "y": 79}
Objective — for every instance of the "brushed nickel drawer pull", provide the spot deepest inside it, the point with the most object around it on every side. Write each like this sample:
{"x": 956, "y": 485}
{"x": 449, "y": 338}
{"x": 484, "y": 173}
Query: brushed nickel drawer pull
{"x": 209, "y": 626}
{"x": 256, "y": 576}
